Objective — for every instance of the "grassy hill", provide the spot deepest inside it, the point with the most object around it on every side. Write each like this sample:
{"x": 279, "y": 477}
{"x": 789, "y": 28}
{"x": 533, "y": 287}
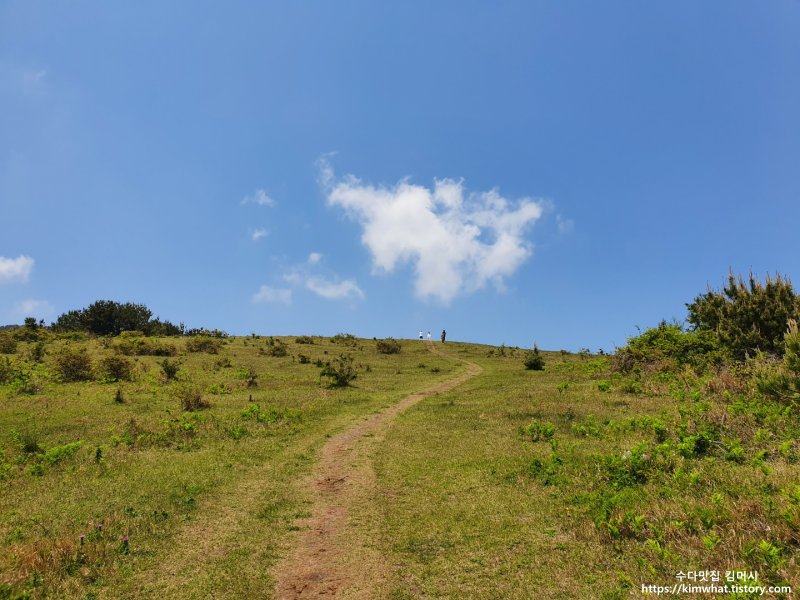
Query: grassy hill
{"x": 568, "y": 482}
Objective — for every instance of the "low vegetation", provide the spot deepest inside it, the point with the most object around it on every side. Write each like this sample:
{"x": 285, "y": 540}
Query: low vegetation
{"x": 549, "y": 475}
{"x": 88, "y": 463}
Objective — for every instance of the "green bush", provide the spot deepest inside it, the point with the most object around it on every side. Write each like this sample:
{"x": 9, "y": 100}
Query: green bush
{"x": 74, "y": 364}
{"x": 538, "y": 430}
{"x": 276, "y": 347}
{"x": 388, "y": 346}
{"x": 303, "y": 339}
{"x": 782, "y": 381}
{"x": 36, "y": 352}
{"x": 58, "y": 453}
{"x": 18, "y": 376}
{"x": 747, "y": 317}
{"x": 6, "y": 369}
{"x": 132, "y": 344}
{"x": 189, "y": 396}
{"x": 345, "y": 339}
{"x": 204, "y": 343}
{"x": 668, "y": 345}
{"x": 8, "y": 345}
{"x": 169, "y": 368}
{"x": 341, "y": 372}
{"x": 115, "y": 368}
{"x": 534, "y": 361}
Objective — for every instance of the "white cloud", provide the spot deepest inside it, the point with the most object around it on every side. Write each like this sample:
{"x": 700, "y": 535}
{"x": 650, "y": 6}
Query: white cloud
{"x": 334, "y": 290}
{"x": 456, "y": 242}
{"x": 258, "y": 234}
{"x": 259, "y": 197}
{"x": 564, "y": 225}
{"x": 15, "y": 269}
{"x": 331, "y": 289}
{"x": 314, "y": 258}
{"x": 268, "y": 294}
{"x": 40, "y": 309}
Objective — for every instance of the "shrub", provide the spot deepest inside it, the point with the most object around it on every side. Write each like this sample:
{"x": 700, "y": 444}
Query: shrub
{"x": 115, "y": 368}
{"x": 169, "y": 368}
{"x": 388, "y": 346}
{"x": 135, "y": 345}
{"x": 303, "y": 359}
{"x": 202, "y": 331}
{"x": 204, "y": 343}
{"x": 747, "y": 317}
{"x": 8, "y": 345}
{"x": 304, "y": 339}
{"x": 58, "y": 453}
{"x": 534, "y": 361}
{"x": 782, "y": 381}
{"x": 36, "y": 352}
{"x": 19, "y": 377}
{"x": 345, "y": 339}
{"x": 190, "y": 397}
{"x": 74, "y": 364}
{"x": 538, "y": 430}
{"x": 6, "y": 369}
{"x": 341, "y": 373}
{"x": 632, "y": 468}
{"x": 251, "y": 378}
{"x": 276, "y": 347}
{"x": 668, "y": 344}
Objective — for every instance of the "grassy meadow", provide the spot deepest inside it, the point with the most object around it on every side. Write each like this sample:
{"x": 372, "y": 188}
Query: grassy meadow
{"x": 575, "y": 481}
{"x": 96, "y": 491}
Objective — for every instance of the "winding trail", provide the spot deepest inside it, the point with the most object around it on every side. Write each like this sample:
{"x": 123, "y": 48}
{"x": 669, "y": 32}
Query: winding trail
{"x": 329, "y": 560}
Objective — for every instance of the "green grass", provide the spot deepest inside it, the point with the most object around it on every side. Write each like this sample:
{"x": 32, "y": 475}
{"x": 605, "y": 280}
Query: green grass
{"x": 568, "y": 482}
{"x": 524, "y": 484}
{"x": 147, "y": 470}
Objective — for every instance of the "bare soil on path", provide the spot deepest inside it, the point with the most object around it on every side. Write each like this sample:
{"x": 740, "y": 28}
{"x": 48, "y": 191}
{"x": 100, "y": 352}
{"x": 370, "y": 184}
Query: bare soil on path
{"x": 332, "y": 556}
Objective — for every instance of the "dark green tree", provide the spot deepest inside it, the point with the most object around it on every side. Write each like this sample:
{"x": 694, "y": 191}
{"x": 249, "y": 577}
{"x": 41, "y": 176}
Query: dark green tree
{"x": 105, "y": 317}
{"x": 747, "y": 316}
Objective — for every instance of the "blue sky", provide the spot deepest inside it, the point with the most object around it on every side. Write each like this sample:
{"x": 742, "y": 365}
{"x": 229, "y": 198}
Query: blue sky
{"x": 557, "y": 172}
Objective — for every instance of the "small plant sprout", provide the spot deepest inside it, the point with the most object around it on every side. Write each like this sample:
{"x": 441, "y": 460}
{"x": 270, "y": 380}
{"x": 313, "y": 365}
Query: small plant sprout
{"x": 125, "y": 546}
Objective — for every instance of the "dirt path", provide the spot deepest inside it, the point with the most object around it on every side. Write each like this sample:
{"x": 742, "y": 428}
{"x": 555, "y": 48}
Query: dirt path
{"x": 328, "y": 559}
